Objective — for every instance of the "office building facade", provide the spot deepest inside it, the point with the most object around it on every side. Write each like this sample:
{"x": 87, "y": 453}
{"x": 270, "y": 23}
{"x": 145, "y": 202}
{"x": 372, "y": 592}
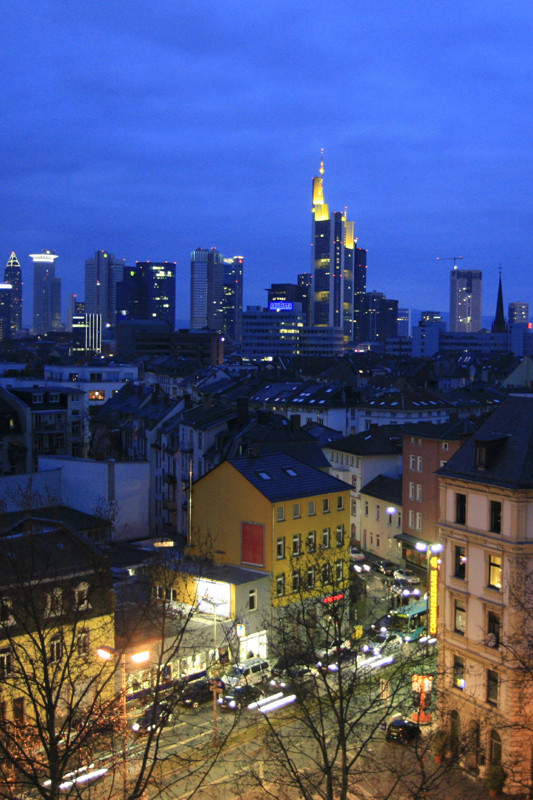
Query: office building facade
{"x": 148, "y": 291}
{"x": 207, "y": 290}
{"x": 102, "y": 274}
{"x": 13, "y": 276}
{"x": 232, "y": 303}
{"x": 379, "y": 317}
{"x": 46, "y": 293}
{"x": 517, "y": 313}
{"x": 465, "y": 301}
{"x": 6, "y": 295}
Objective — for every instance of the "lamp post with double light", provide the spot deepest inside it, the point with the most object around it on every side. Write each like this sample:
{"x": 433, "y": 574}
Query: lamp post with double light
{"x": 141, "y": 657}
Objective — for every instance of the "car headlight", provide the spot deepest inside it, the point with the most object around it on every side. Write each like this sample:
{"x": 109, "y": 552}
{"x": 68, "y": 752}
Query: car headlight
{"x": 232, "y": 704}
{"x": 135, "y": 727}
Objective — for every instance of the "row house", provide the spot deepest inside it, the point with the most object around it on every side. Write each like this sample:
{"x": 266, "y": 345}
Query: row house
{"x": 381, "y": 517}
{"x": 359, "y": 458}
{"x": 280, "y": 517}
{"x": 402, "y": 406}
{"x": 127, "y": 429}
{"x": 486, "y": 598}
{"x": 426, "y": 448}
{"x": 58, "y": 419}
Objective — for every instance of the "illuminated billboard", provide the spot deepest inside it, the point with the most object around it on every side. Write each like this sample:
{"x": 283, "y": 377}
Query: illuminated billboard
{"x": 280, "y": 305}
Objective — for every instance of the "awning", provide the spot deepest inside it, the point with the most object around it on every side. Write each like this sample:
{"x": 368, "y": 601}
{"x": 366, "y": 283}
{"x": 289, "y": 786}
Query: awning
{"x": 411, "y": 540}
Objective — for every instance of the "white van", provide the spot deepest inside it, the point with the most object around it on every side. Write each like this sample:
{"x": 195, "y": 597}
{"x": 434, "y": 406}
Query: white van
{"x": 253, "y": 670}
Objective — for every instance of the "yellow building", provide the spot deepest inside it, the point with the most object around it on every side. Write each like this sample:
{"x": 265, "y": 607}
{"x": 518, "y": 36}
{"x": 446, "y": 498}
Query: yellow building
{"x": 56, "y": 609}
{"x": 277, "y": 515}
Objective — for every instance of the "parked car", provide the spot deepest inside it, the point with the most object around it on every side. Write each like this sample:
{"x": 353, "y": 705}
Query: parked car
{"x": 239, "y": 697}
{"x": 196, "y": 693}
{"x": 404, "y": 588}
{"x": 253, "y": 670}
{"x": 356, "y": 554}
{"x": 291, "y": 666}
{"x": 385, "y": 567}
{"x": 406, "y": 575}
{"x": 403, "y": 731}
{"x": 153, "y": 717}
{"x": 362, "y": 567}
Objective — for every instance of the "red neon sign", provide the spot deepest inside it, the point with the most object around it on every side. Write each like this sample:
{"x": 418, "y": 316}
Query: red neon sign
{"x": 333, "y": 598}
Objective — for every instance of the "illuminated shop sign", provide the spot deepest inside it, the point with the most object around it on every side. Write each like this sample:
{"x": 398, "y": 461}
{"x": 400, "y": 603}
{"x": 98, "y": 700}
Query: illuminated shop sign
{"x": 433, "y": 594}
{"x": 280, "y": 305}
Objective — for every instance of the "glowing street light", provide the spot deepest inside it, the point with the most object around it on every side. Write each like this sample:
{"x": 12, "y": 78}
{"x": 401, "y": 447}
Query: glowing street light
{"x": 107, "y": 654}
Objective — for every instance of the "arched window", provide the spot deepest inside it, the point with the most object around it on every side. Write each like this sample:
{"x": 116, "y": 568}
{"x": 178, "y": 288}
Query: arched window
{"x": 495, "y": 747}
{"x": 472, "y": 746}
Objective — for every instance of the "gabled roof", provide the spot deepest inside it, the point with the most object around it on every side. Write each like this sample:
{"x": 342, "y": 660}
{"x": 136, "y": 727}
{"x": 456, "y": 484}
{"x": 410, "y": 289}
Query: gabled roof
{"x": 507, "y": 437}
{"x": 282, "y": 477}
{"x": 377, "y": 440}
{"x": 384, "y": 488}
{"x": 450, "y": 430}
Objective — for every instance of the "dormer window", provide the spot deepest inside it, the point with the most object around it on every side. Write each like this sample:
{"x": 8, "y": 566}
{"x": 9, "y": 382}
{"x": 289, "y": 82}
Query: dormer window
{"x": 489, "y": 450}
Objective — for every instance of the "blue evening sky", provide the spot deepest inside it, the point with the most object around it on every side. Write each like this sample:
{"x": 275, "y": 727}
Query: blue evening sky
{"x": 151, "y": 128}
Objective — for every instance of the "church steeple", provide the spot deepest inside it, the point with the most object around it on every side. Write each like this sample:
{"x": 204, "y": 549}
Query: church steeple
{"x": 499, "y": 325}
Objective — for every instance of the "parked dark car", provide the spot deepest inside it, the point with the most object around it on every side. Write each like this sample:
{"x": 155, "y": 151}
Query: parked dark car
{"x": 153, "y": 717}
{"x": 196, "y": 693}
{"x": 385, "y": 567}
{"x": 240, "y": 697}
{"x": 403, "y": 731}
{"x": 292, "y": 666}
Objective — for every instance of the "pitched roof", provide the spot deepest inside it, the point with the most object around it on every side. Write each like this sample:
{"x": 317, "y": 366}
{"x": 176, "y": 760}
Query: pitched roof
{"x": 282, "y": 477}
{"x": 450, "y": 430}
{"x": 507, "y": 437}
{"x": 377, "y": 440}
{"x": 384, "y": 488}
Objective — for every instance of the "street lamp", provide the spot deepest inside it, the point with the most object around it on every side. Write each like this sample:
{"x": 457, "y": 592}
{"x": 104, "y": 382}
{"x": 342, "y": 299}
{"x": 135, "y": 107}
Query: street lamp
{"x": 214, "y": 604}
{"x": 433, "y": 561}
{"x": 108, "y": 654}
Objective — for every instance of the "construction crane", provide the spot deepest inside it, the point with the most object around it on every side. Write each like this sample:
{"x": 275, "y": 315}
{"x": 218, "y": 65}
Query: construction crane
{"x": 455, "y": 259}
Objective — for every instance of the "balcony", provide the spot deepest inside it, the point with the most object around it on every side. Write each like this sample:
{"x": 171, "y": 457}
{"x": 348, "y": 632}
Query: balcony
{"x": 170, "y": 505}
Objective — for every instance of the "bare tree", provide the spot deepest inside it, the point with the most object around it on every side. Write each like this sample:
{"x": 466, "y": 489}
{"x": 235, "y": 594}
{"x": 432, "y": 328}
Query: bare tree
{"x": 331, "y": 740}
{"x": 65, "y": 718}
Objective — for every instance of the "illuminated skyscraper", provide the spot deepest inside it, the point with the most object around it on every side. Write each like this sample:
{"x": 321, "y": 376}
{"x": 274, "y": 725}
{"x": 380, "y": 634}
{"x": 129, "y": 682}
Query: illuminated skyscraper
{"x": 207, "y": 290}
{"x": 148, "y": 291}
{"x": 13, "y": 276}
{"x": 465, "y": 300}
{"x": 232, "y": 304}
{"x": 102, "y": 273}
{"x": 333, "y": 264}
{"x": 46, "y": 293}
{"x": 6, "y": 296}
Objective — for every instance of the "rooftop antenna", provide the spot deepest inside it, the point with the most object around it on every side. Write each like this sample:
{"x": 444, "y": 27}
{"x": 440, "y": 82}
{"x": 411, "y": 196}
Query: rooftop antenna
{"x": 321, "y": 160}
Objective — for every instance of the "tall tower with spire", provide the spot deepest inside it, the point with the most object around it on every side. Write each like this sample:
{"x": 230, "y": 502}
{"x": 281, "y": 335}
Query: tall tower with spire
{"x": 333, "y": 260}
{"x": 13, "y": 276}
{"x": 499, "y": 325}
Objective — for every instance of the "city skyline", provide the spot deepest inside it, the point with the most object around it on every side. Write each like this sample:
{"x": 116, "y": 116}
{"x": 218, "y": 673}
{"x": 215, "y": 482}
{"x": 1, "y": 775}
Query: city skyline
{"x": 420, "y": 113}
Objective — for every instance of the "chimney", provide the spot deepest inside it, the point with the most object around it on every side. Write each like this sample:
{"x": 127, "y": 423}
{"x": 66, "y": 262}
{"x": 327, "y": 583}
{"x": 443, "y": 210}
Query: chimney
{"x": 295, "y": 424}
{"x": 242, "y": 411}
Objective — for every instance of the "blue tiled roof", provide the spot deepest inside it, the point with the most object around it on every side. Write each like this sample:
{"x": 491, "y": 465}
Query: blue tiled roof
{"x": 282, "y": 477}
